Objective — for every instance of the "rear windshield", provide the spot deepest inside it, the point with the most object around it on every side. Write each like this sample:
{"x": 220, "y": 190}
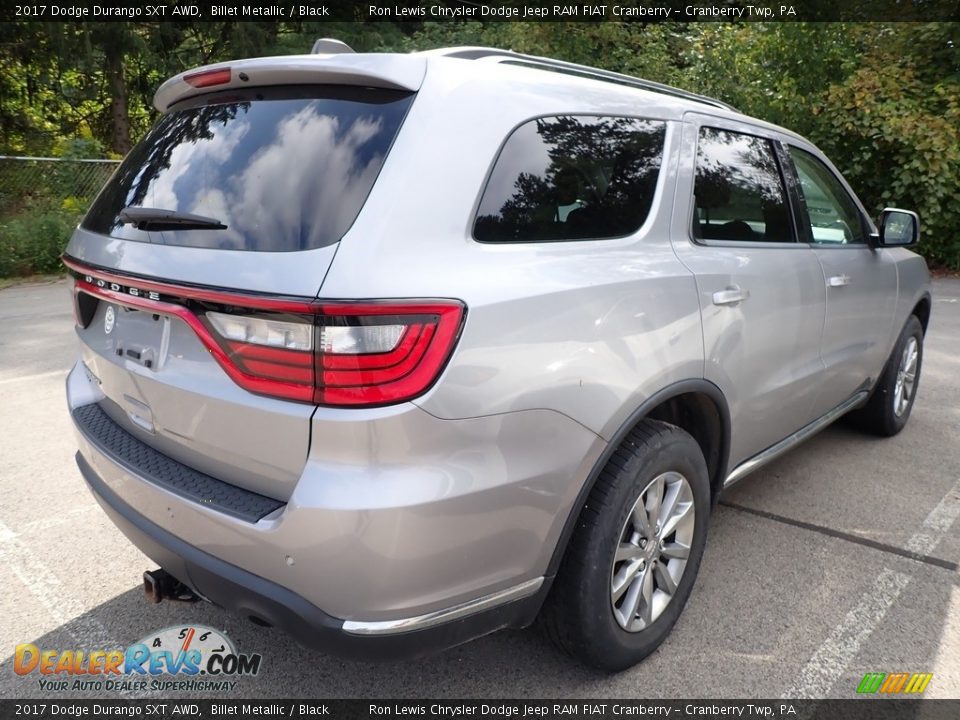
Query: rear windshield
{"x": 284, "y": 169}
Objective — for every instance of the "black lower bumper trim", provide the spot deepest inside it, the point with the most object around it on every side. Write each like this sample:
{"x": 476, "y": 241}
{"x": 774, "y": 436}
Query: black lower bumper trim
{"x": 152, "y": 465}
{"x": 266, "y": 602}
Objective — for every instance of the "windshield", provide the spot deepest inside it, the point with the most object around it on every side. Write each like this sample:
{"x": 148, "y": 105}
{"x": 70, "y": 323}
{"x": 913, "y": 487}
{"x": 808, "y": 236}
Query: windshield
{"x": 283, "y": 169}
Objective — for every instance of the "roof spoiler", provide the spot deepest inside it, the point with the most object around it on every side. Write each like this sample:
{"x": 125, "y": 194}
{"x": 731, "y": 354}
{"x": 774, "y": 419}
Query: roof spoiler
{"x": 381, "y": 70}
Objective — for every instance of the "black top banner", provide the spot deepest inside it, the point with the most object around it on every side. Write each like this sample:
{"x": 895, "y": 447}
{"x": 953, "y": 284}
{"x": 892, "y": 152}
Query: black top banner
{"x": 643, "y": 11}
{"x": 605, "y": 709}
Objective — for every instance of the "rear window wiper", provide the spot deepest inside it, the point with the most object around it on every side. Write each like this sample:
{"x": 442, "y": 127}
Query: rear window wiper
{"x": 144, "y": 218}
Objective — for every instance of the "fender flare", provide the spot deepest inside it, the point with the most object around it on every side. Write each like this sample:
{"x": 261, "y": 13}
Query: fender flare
{"x": 681, "y": 387}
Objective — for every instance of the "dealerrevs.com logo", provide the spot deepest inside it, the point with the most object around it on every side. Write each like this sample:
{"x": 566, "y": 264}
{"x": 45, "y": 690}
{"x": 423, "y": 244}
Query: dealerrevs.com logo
{"x": 195, "y": 657}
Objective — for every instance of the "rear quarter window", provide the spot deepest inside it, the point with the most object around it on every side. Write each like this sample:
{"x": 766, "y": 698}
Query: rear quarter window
{"x": 572, "y": 177}
{"x": 284, "y": 169}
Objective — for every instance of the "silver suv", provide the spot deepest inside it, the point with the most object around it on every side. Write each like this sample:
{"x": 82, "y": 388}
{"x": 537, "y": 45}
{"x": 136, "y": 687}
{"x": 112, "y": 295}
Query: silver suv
{"x": 393, "y": 351}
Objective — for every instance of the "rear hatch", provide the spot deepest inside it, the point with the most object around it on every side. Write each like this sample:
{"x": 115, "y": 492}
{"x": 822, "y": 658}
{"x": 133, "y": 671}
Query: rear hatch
{"x": 212, "y": 239}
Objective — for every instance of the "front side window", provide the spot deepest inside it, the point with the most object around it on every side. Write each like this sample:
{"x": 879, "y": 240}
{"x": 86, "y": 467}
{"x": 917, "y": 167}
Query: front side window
{"x": 572, "y": 178}
{"x": 832, "y": 214}
{"x": 739, "y": 190}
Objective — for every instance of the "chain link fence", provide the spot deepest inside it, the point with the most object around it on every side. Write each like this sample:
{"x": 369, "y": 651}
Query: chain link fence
{"x": 27, "y": 179}
{"x": 41, "y": 201}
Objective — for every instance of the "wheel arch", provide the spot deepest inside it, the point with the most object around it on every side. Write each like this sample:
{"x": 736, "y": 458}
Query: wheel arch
{"x": 922, "y": 310}
{"x": 696, "y": 406}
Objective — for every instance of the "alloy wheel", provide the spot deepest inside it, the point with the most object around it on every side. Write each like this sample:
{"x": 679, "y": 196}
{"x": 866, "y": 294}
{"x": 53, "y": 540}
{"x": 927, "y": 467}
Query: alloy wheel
{"x": 652, "y": 551}
{"x": 906, "y": 377}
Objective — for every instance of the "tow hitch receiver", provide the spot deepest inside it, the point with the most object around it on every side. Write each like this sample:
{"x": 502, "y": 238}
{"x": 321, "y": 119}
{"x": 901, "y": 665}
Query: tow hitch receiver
{"x": 160, "y": 585}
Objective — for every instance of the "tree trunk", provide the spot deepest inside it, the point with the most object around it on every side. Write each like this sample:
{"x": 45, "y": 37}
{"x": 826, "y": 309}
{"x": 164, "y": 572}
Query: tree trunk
{"x": 119, "y": 114}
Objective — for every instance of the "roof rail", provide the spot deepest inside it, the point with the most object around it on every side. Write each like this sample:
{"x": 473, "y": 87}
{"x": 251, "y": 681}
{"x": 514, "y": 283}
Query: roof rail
{"x": 542, "y": 63}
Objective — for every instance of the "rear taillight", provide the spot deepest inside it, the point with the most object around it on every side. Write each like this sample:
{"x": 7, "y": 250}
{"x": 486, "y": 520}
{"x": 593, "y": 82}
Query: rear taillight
{"x": 345, "y": 353}
{"x": 381, "y": 353}
{"x": 342, "y": 354}
{"x": 273, "y": 353}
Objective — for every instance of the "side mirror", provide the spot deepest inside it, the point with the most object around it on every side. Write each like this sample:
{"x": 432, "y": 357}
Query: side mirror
{"x": 898, "y": 228}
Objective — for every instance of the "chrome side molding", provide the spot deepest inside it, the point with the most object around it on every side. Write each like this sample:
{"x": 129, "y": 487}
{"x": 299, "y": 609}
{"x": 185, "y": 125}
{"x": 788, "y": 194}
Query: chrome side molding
{"x": 421, "y": 622}
{"x": 778, "y": 449}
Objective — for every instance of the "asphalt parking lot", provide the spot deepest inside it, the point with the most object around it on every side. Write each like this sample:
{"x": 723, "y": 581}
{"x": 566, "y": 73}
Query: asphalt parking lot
{"x": 811, "y": 576}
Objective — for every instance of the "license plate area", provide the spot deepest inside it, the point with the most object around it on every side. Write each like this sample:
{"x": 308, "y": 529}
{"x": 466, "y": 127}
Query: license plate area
{"x": 130, "y": 334}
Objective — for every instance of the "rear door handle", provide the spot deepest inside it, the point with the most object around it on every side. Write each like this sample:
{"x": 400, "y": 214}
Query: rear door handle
{"x": 838, "y": 281}
{"x": 733, "y": 295}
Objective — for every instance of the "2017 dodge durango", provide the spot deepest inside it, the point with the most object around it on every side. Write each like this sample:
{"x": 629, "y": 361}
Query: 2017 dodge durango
{"x": 392, "y": 351}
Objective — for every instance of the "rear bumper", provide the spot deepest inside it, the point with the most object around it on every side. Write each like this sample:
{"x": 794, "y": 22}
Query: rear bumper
{"x": 266, "y": 602}
{"x": 404, "y": 534}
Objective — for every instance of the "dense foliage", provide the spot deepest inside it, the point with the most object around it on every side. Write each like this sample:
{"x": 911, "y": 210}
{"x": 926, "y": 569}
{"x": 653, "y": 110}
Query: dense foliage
{"x": 883, "y": 100}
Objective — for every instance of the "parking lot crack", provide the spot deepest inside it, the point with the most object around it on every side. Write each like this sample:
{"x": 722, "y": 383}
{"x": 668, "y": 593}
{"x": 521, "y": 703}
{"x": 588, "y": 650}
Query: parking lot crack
{"x": 915, "y": 549}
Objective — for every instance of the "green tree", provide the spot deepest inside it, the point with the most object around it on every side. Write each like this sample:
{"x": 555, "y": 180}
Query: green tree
{"x": 880, "y": 98}
{"x": 895, "y": 122}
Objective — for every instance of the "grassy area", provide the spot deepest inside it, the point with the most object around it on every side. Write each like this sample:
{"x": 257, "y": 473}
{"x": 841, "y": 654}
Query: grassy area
{"x": 41, "y": 202}
{"x": 32, "y": 240}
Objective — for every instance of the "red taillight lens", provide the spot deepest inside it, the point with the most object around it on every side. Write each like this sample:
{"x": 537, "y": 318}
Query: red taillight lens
{"x": 274, "y": 364}
{"x": 349, "y": 353}
{"x": 208, "y": 78}
{"x": 268, "y": 348}
{"x": 400, "y": 370}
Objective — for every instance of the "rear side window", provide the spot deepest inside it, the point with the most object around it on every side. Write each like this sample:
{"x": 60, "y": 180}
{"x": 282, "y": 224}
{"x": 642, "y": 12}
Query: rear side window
{"x": 284, "y": 169}
{"x": 739, "y": 192}
{"x": 572, "y": 178}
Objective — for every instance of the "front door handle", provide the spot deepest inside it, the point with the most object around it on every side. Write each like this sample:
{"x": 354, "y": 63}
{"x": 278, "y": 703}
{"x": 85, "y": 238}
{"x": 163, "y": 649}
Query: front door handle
{"x": 732, "y": 295}
{"x": 838, "y": 281}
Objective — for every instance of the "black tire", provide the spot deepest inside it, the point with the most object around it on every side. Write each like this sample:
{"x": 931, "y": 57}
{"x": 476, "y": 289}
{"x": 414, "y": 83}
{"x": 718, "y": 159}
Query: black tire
{"x": 879, "y": 416}
{"x": 578, "y": 615}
